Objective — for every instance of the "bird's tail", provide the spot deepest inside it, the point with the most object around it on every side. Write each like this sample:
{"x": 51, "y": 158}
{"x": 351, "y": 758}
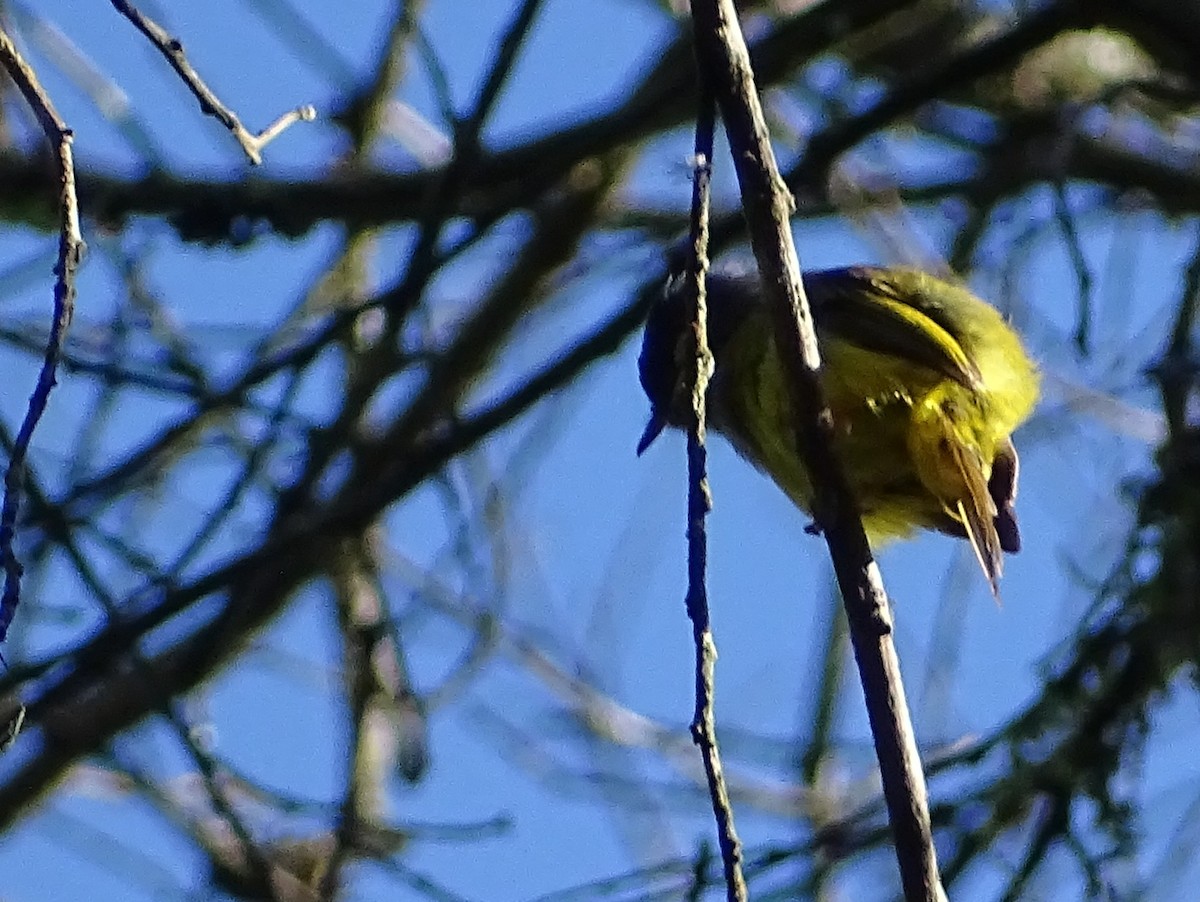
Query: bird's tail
{"x": 951, "y": 467}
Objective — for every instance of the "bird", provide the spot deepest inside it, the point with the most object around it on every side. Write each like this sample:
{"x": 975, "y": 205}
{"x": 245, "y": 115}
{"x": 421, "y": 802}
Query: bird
{"x": 925, "y": 381}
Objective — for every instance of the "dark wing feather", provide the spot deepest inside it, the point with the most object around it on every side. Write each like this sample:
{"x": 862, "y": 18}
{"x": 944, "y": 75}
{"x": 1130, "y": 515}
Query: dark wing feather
{"x": 1003, "y": 489}
{"x": 867, "y": 308}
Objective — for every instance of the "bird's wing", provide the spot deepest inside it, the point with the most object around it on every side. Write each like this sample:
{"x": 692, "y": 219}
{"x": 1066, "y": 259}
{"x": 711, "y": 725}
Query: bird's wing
{"x": 862, "y": 309}
{"x": 1003, "y": 489}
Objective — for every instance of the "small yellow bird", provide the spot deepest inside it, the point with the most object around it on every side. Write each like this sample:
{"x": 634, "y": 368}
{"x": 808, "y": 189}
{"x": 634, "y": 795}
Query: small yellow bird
{"x": 925, "y": 381}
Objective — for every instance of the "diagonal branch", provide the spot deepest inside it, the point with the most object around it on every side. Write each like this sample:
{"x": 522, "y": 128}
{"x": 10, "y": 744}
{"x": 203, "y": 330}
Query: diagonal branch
{"x": 70, "y": 254}
{"x": 172, "y": 48}
{"x": 767, "y": 206}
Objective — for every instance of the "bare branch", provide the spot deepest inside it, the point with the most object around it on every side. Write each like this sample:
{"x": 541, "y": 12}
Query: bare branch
{"x": 172, "y": 48}
{"x": 71, "y": 249}
{"x": 704, "y": 725}
{"x": 767, "y": 204}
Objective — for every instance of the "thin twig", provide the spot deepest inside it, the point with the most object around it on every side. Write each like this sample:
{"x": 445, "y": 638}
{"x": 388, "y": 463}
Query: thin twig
{"x": 70, "y": 253}
{"x": 374, "y": 681}
{"x": 767, "y": 206}
{"x": 1083, "y": 273}
{"x": 172, "y": 48}
{"x": 468, "y": 150}
{"x": 704, "y": 729}
{"x": 962, "y": 67}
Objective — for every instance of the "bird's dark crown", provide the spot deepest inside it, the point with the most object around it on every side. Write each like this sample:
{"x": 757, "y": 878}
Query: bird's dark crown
{"x": 730, "y": 299}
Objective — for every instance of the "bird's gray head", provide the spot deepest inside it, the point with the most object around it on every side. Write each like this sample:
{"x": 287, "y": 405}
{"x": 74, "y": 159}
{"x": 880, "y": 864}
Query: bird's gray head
{"x": 730, "y": 298}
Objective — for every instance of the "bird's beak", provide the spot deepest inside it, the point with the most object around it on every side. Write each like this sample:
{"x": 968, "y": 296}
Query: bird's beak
{"x": 658, "y": 422}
